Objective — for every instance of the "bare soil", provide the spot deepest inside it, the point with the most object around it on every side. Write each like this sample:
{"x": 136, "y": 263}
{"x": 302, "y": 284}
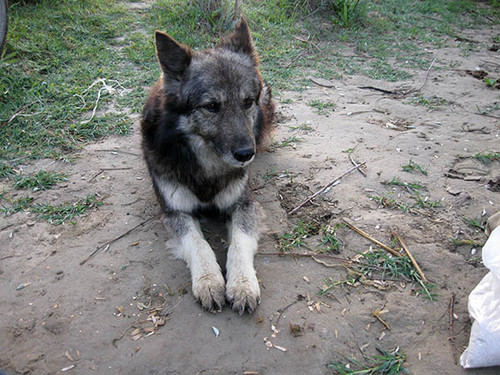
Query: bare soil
{"x": 93, "y": 318}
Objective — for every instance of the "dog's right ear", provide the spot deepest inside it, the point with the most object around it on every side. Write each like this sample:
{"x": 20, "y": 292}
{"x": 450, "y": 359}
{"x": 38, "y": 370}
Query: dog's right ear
{"x": 174, "y": 57}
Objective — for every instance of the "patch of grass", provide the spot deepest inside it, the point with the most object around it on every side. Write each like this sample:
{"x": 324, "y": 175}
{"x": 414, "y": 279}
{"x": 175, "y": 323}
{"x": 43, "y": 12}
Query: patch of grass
{"x": 290, "y": 141}
{"x": 329, "y": 240}
{"x": 462, "y": 242}
{"x": 42, "y": 180}
{"x": 6, "y": 171}
{"x": 405, "y": 207}
{"x": 433, "y": 102}
{"x": 16, "y": 205}
{"x": 489, "y": 108}
{"x": 322, "y": 108}
{"x": 490, "y": 82}
{"x": 63, "y": 57}
{"x": 487, "y": 157}
{"x": 390, "y": 203}
{"x": 65, "y": 213}
{"x": 378, "y": 263}
{"x": 412, "y": 166}
{"x": 348, "y": 13}
{"x": 302, "y": 127}
{"x": 424, "y": 202}
{"x": 296, "y": 238}
{"x": 411, "y": 187}
{"x": 387, "y": 363}
{"x": 477, "y": 223}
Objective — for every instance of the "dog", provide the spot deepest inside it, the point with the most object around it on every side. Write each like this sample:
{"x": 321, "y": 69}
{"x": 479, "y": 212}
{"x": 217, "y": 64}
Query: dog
{"x": 202, "y": 124}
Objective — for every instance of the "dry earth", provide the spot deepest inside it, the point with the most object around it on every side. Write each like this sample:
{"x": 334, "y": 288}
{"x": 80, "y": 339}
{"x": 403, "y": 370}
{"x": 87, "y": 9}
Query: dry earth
{"x": 92, "y": 318}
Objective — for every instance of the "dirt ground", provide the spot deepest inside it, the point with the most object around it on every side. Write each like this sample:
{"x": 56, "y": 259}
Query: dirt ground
{"x": 92, "y": 318}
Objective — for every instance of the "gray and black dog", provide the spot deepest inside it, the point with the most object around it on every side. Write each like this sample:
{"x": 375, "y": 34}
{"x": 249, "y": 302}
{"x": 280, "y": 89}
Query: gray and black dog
{"x": 202, "y": 125}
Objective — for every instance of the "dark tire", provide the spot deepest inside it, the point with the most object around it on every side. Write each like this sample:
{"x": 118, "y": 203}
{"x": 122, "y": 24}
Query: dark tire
{"x": 4, "y": 22}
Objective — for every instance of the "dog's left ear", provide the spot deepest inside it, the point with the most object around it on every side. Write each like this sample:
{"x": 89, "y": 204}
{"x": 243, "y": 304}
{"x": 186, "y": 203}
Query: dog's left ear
{"x": 240, "y": 41}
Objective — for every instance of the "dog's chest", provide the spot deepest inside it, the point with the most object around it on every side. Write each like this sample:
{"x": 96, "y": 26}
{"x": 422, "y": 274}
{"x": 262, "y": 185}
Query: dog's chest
{"x": 180, "y": 197}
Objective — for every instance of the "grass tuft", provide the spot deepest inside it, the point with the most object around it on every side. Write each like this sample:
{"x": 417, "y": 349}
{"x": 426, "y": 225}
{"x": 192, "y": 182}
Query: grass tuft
{"x": 42, "y": 180}
{"x": 65, "y": 213}
{"x": 387, "y": 363}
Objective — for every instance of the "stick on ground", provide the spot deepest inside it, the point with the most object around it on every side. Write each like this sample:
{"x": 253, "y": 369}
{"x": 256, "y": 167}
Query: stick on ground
{"x": 366, "y": 235}
{"x": 412, "y": 259}
{"x": 330, "y": 184}
{"x": 106, "y": 245}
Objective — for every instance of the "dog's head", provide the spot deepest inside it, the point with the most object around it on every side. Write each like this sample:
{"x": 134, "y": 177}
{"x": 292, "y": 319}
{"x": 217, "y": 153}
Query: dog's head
{"x": 216, "y": 92}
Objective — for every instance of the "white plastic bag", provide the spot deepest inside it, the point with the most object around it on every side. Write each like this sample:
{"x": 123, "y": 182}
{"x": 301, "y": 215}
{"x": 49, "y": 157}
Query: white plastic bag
{"x": 484, "y": 309}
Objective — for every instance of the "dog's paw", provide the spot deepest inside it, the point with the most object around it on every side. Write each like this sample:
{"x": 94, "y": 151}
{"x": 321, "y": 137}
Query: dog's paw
{"x": 209, "y": 289}
{"x": 243, "y": 294}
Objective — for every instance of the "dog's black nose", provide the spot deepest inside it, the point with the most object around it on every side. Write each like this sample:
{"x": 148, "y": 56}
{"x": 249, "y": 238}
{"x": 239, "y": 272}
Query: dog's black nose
{"x": 243, "y": 154}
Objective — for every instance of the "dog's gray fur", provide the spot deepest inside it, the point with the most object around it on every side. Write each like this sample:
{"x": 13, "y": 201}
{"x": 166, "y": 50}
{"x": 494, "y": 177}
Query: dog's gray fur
{"x": 202, "y": 124}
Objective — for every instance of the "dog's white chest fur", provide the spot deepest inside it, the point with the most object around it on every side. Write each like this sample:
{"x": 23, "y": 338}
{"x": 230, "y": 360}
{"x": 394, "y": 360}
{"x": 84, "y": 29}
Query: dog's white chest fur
{"x": 179, "y": 198}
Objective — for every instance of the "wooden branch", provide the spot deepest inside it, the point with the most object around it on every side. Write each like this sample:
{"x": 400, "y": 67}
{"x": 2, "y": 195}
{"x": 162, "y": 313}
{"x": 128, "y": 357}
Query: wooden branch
{"x": 330, "y": 184}
{"x": 106, "y": 245}
{"x": 413, "y": 261}
{"x": 366, "y": 235}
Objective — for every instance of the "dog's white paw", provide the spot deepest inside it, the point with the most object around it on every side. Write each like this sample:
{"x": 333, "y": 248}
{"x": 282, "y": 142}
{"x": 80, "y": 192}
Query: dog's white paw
{"x": 243, "y": 293}
{"x": 209, "y": 289}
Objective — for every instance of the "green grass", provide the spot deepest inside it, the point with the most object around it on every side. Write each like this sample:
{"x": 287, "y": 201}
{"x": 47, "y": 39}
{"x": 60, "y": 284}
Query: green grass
{"x": 433, "y": 102}
{"x": 42, "y": 180}
{"x": 10, "y": 207}
{"x": 296, "y": 238}
{"x": 386, "y": 363}
{"x": 382, "y": 265}
{"x": 411, "y": 187}
{"x": 476, "y": 223}
{"x": 330, "y": 243}
{"x": 420, "y": 202}
{"x": 290, "y": 141}
{"x": 321, "y": 107}
{"x": 413, "y": 167}
{"x": 67, "y": 212}
{"x": 487, "y": 157}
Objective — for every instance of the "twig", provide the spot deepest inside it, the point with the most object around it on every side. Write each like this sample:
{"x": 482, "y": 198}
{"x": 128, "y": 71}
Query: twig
{"x": 452, "y": 334}
{"x": 18, "y": 112}
{"x": 305, "y": 255}
{"x": 377, "y": 314}
{"x": 330, "y": 184}
{"x": 366, "y": 235}
{"x": 324, "y": 263}
{"x": 119, "y": 152}
{"x": 107, "y": 244}
{"x": 426, "y": 75}
{"x": 108, "y": 169}
{"x": 356, "y": 165}
{"x": 327, "y": 85}
{"x": 5, "y": 227}
{"x": 413, "y": 261}
{"x": 282, "y": 310}
{"x": 301, "y": 54}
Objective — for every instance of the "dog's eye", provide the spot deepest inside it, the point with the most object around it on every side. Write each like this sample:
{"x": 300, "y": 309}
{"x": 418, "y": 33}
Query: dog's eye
{"x": 248, "y": 103}
{"x": 212, "y": 107}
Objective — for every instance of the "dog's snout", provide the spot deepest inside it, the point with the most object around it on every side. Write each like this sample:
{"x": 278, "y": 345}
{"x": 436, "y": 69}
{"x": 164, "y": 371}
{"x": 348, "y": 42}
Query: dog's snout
{"x": 243, "y": 154}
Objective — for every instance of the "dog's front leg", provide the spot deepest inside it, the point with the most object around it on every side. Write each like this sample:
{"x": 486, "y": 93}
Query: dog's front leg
{"x": 242, "y": 289}
{"x": 189, "y": 245}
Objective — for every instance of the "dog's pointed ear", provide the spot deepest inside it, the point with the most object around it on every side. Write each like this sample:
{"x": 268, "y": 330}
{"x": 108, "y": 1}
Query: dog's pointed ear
{"x": 240, "y": 41}
{"x": 174, "y": 57}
